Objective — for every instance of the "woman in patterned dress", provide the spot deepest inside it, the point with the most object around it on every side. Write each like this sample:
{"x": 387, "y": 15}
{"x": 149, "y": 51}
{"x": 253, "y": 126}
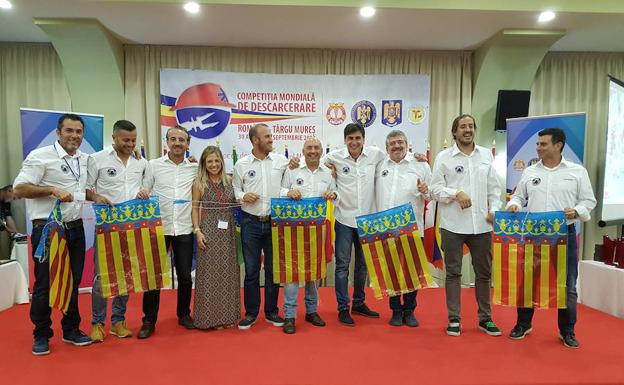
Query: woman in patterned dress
{"x": 217, "y": 279}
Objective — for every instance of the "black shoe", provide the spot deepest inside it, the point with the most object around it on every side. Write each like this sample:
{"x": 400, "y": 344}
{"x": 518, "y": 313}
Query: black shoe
{"x": 569, "y": 340}
{"x": 345, "y": 318}
{"x": 453, "y": 328}
{"x": 275, "y": 320}
{"x": 409, "y": 319}
{"x": 289, "y": 326}
{"x": 147, "y": 329}
{"x": 519, "y": 332}
{"x": 490, "y": 328}
{"x": 246, "y": 322}
{"x": 397, "y": 318}
{"x": 186, "y": 321}
{"x": 364, "y": 310}
{"x": 77, "y": 338}
{"x": 41, "y": 346}
{"x": 314, "y": 319}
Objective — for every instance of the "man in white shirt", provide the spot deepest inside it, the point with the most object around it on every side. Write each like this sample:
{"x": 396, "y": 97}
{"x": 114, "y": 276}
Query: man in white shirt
{"x": 312, "y": 179}
{"x": 51, "y": 173}
{"x": 257, "y": 179}
{"x": 555, "y": 184}
{"x": 172, "y": 181}
{"x": 466, "y": 186}
{"x": 401, "y": 179}
{"x": 115, "y": 176}
{"x": 355, "y": 180}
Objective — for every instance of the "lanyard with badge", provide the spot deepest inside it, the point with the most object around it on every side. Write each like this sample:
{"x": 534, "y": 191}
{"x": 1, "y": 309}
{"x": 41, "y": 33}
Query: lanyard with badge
{"x": 78, "y": 194}
{"x": 221, "y": 198}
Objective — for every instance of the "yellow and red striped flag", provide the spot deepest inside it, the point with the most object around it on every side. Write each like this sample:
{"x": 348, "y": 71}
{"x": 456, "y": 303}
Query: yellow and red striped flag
{"x": 130, "y": 247}
{"x": 302, "y": 242}
{"x": 394, "y": 252}
{"x": 530, "y": 263}
{"x": 53, "y": 247}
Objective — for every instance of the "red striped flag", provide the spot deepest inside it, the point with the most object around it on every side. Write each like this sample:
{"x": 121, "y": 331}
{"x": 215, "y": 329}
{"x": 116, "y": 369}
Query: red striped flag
{"x": 302, "y": 242}
{"x": 394, "y": 252}
{"x": 530, "y": 259}
{"x": 130, "y": 247}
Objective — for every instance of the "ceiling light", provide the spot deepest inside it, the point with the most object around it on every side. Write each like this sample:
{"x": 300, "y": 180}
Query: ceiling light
{"x": 367, "y": 11}
{"x": 546, "y": 16}
{"x": 191, "y": 7}
{"x": 5, "y": 4}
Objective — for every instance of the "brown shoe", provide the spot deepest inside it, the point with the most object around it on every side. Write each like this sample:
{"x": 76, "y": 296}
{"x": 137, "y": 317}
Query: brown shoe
{"x": 289, "y": 326}
{"x": 315, "y": 319}
{"x": 120, "y": 330}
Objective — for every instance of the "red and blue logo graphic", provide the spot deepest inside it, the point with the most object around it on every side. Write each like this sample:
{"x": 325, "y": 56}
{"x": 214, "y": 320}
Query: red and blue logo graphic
{"x": 205, "y": 111}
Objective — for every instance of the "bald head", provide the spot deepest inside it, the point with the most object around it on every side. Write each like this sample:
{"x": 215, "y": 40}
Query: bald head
{"x": 312, "y": 151}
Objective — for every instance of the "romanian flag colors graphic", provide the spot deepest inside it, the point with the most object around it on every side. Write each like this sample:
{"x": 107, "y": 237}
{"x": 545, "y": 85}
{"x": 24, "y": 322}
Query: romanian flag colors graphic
{"x": 130, "y": 247}
{"x": 530, "y": 264}
{"x": 302, "y": 243}
{"x": 394, "y": 252}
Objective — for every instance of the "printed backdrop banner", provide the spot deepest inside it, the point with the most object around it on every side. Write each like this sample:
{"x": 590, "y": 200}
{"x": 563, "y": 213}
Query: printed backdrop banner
{"x": 220, "y": 107}
{"x": 39, "y": 130}
{"x": 522, "y": 136}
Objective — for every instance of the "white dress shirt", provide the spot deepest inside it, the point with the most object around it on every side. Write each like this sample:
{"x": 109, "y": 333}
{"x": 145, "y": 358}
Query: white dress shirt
{"x": 397, "y": 184}
{"x": 454, "y": 171}
{"x": 51, "y": 166}
{"x": 309, "y": 183}
{"x": 263, "y": 177}
{"x": 355, "y": 182}
{"x": 114, "y": 180}
{"x": 554, "y": 189}
{"x": 173, "y": 184}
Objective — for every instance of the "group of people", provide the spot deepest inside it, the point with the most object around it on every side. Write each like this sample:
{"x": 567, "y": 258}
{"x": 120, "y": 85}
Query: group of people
{"x": 197, "y": 201}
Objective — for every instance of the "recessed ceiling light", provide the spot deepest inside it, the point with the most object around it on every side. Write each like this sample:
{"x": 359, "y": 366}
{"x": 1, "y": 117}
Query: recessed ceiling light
{"x": 191, "y": 7}
{"x": 546, "y": 16}
{"x": 5, "y": 4}
{"x": 367, "y": 11}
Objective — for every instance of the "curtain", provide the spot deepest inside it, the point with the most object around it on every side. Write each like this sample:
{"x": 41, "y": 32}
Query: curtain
{"x": 577, "y": 82}
{"x": 451, "y": 85}
{"x": 31, "y": 75}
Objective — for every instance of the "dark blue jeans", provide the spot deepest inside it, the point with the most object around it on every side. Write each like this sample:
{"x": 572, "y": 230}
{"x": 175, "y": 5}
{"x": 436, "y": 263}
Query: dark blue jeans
{"x": 257, "y": 238}
{"x": 40, "y": 306}
{"x": 182, "y": 246}
{"x": 346, "y": 238}
{"x": 566, "y": 318}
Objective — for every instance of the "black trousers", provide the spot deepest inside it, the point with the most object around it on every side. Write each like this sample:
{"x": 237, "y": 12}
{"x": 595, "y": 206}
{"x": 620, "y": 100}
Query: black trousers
{"x": 40, "y": 309}
{"x": 182, "y": 246}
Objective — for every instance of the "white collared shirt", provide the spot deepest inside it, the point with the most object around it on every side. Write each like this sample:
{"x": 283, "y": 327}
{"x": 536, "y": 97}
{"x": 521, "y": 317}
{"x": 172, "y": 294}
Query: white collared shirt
{"x": 554, "y": 189}
{"x": 397, "y": 184}
{"x": 173, "y": 184}
{"x": 309, "y": 183}
{"x": 454, "y": 171}
{"x": 263, "y": 177}
{"x": 355, "y": 182}
{"x": 52, "y": 166}
{"x": 114, "y": 180}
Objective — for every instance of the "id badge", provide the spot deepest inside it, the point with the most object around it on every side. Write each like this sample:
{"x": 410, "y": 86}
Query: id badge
{"x": 223, "y": 225}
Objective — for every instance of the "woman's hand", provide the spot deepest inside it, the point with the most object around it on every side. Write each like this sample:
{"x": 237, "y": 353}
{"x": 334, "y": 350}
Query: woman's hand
{"x": 201, "y": 240}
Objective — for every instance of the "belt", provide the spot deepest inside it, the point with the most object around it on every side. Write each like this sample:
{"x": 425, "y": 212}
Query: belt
{"x": 68, "y": 225}
{"x": 259, "y": 218}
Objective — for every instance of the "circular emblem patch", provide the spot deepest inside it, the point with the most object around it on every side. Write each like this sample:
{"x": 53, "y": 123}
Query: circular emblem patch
{"x": 346, "y": 169}
{"x": 64, "y": 168}
{"x": 299, "y": 181}
{"x": 111, "y": 172}
{"x": 459, "y": 169}
{"x": 363, "y": 112}
{"x": 536, "y": 181}
{"x": 384, "y": 173}
{"x": 251, "y": 173}
{"x": 336, "y": 113}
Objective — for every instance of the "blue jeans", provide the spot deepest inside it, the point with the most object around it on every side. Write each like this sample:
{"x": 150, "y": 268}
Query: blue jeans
{"x": 99, "y": 303}
{"x": 291, "y": 291}
{"x": 346, "y": 237}
{"x": 256, "y": 237}
{"x": 40, "y": 310}
{"x": 566, "y": 318}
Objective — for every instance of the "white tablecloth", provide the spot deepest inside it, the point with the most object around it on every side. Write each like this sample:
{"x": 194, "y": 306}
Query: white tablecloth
{"x": 601, "y": 287}
{"x": 13, "y": 286}
{"x": 20, "y": 254}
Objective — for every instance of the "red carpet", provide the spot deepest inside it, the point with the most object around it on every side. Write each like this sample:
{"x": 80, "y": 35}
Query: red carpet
{"x": 370, "y": 353}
